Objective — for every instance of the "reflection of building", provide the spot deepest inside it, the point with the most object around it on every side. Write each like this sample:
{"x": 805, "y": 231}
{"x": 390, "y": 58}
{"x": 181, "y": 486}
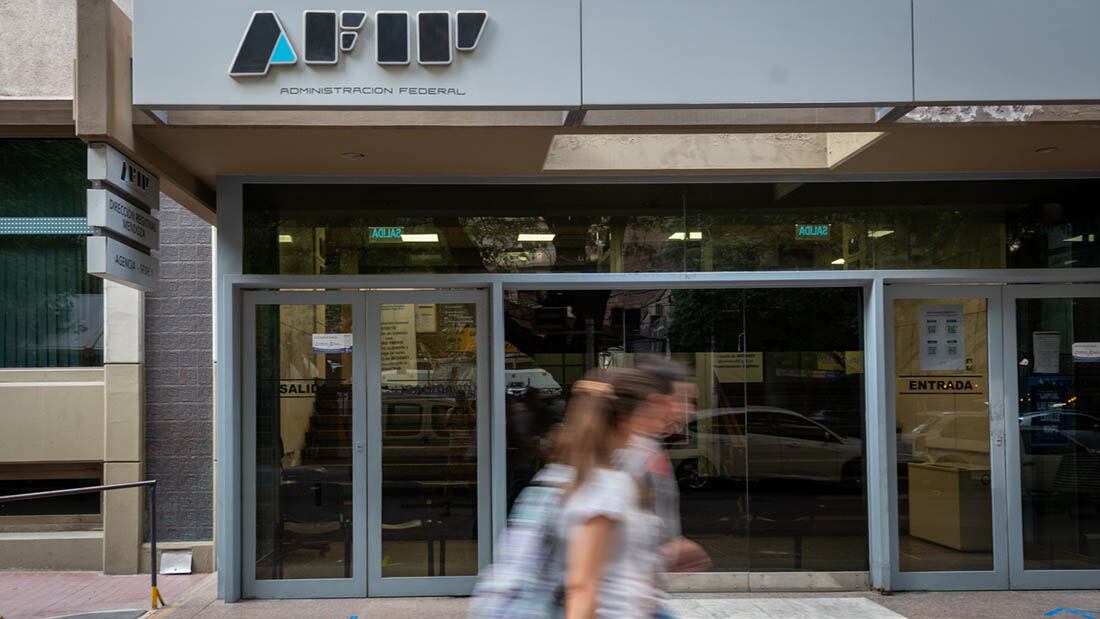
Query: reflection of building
{"x": 785, "y": 231}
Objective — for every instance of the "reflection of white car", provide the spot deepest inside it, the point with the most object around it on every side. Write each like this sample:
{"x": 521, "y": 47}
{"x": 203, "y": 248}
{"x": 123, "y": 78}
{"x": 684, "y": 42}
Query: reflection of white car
{"x": 952, "y": 436}
{"x": 520, "y": 381}
{"x": 779, "y": 444}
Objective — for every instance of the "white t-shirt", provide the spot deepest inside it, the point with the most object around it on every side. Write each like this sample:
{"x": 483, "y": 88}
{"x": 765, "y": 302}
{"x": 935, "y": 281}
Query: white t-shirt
{"x": 628, "y": 586}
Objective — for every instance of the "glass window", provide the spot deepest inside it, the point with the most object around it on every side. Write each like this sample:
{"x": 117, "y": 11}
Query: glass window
{"x": 941, "y": 365}
{"x": 429, "y": 475}
{"x": 304, "y": 473}
{"x": 1059, "y": 425}
{"x": 622, "y": 228}
{"x": 771, "y": 466}
{"x": 51, "y": 311}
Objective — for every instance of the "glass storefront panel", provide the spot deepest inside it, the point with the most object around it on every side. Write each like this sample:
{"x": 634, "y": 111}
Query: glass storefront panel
{"x": 1058, "y": 370}
{"x": 624, "y": 228}
{"x": 771, "y": 465}
{"x": 429, "y": 379}
{"x": 304, "y": 481}
{"x": 51, "y": 310}
{"x": 941, "y": 366}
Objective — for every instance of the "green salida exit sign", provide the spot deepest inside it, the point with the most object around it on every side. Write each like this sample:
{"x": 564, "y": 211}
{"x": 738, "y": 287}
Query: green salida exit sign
{"x": 811, "y": 232}
{"x": 386, "y": 234}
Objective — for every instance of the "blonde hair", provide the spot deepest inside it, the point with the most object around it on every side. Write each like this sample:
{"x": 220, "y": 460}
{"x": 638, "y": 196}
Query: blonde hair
{"x": 599, "y": 406}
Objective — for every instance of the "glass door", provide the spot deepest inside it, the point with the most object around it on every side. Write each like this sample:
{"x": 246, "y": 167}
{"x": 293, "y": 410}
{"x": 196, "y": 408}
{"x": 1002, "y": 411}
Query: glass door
{"x": 304, "y": 465}
{"x": 1052, "y": 372}
{"x": 948, "y": 517}
{"x": 428, "y": 423}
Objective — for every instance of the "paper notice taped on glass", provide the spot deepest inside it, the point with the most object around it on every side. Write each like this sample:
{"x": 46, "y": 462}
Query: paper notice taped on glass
{"x": 942, "y": 338}
{"x": 1086, "y": 352}
{"x": 331, "y": 343}
{"x": 1046, "y": 346}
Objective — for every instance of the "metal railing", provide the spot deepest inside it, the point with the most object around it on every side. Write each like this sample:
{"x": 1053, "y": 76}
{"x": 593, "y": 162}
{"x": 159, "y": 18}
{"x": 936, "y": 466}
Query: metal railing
{"x": 149, "y": 483}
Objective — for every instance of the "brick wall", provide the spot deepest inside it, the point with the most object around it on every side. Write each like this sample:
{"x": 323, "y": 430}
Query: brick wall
{"x": 179, "y": 378}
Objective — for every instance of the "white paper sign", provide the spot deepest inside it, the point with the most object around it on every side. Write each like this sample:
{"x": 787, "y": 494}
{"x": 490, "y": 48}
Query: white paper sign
{"x": 331, "y": 343}
{"x": 1086, "y": 352}
{"x": 942, "y": 343}
{"x": 398, "y": 331}
{"x": 1046, "y": 345}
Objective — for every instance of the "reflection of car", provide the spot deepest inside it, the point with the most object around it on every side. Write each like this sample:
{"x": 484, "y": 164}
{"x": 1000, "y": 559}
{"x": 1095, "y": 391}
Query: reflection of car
{"x": 1059, "y": 453}
{"x": 426, "y": 438}
{"x": 1058, "y": 432}
{"x": 522, "y": 374}
{"x": 952, "y": 436}
{"x": 779, "y": 444}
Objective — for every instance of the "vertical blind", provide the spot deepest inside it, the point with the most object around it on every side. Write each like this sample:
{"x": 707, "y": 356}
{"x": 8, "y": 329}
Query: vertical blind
{"x": 51, "y": 311}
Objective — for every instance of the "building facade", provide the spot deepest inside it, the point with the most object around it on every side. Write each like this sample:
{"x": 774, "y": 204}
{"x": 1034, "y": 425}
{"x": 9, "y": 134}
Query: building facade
{"x": 99, "y": 383}
{"x": 868, "y": 228}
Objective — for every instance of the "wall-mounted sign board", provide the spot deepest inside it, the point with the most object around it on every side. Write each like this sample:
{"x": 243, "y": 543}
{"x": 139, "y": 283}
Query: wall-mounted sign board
{"x": 123, "y": 218}
{"x": 118, "y": 262}
{"x": 126, "y": 228}
{"x": 112, "y": 168}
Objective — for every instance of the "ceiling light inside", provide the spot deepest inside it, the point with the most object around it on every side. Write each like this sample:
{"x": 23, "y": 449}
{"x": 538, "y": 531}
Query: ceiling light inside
{"x": 420, "y": 238}
{"x": 878, "y": 234}
{"x": 1080, "y": 238}
{"x": 677, "y": 236}
{"x": 838, "y": 261}
{"x": 683, "y": 236}
{"x": 286, "y": 238}
{"x": 695, "y": 236}
{"x": 532, "y": 236}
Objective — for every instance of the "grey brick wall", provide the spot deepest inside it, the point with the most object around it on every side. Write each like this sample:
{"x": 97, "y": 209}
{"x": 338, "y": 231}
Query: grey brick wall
{"x": 179, "y": 378}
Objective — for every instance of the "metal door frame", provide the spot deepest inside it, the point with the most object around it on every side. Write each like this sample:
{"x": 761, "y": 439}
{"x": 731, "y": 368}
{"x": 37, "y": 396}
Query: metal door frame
{"x": 356, "y": 586}
{"x": 426, "y": 585}
{"x": 998, "y": 577}
{"x": 1021, "y": 578}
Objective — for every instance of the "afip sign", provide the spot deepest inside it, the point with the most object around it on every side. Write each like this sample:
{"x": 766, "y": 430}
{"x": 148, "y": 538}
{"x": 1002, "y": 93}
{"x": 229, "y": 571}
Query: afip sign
{"x": 328, "y": 35}
{"x": 125, "y": 229}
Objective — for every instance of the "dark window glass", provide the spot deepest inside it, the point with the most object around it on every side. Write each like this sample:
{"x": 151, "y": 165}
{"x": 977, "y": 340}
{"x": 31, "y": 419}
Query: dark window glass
{"x": 616, "y": 228}
{"x": 51, "y": 311}
{"x": 24, "y": 479}
{"x": 393, "y": 37}
{"x": 1059, "y": 426}
{"x": 304, "y": 475}
{"x": 770, "y": 468}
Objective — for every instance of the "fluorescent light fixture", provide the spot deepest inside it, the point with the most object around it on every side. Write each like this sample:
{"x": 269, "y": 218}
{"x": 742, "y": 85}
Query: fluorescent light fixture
{"x": 531, "y": 236}
{"x": 420, "y": 238}
{"x": 286, "y": 238}
{"x": 1080, "y": 238}
{"x": 838, "y": 261}
{"x": 695, "y": 236}
{"x": 677, "y": 236}
{"x": 878, "y": 234}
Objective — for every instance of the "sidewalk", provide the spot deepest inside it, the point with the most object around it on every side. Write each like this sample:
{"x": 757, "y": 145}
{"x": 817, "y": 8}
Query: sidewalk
{"x": 201, "y": 603}
{"x": 36, "y": 595}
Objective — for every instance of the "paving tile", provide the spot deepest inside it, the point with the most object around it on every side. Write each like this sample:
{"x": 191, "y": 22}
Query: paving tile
{"x": 789, "y": 608}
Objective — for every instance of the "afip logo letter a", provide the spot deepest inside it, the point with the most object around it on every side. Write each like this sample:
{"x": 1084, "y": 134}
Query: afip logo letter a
{"x": 264, "y": 43}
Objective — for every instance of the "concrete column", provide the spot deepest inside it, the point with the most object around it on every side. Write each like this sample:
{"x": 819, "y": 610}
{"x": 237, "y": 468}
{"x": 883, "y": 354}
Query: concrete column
{"x": 123, "y": 427}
